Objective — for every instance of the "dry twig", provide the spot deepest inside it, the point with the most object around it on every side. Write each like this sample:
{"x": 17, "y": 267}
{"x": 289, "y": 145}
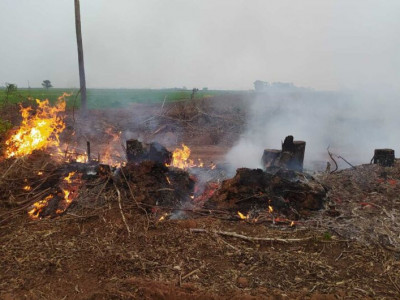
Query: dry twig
{"x": 248, "y": 238}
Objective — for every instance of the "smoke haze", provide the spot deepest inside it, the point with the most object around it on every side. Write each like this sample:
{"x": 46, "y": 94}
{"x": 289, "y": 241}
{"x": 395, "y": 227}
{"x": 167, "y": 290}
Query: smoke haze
{"x": 351, "y": 124}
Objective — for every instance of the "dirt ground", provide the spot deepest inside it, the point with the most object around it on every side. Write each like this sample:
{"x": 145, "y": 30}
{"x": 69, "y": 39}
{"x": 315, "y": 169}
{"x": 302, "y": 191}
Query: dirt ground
{"x": 101, "y": 250}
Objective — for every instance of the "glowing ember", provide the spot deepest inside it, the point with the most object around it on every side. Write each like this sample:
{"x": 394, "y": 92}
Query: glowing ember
{"x": 27, "y": 188}
{"x": 40, "y": 173}
{"x": 37, "y": 131}
{"x": 270, "y": 209}
{"x": 162, "y": 218}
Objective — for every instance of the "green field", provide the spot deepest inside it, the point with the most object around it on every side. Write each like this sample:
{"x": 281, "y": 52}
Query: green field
{"x": 107, "y": 98}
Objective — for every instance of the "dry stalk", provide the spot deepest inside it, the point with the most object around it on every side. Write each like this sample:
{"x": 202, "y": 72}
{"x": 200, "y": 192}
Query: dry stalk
{"x": 11, "y": 166}
{"x": 248, "y": 238}
{"x": 134, "y": 199}
{"x": 120, "y": 209}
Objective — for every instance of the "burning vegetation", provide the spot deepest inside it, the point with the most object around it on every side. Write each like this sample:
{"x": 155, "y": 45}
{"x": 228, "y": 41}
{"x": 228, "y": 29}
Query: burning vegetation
{"x": 255, "y": 221}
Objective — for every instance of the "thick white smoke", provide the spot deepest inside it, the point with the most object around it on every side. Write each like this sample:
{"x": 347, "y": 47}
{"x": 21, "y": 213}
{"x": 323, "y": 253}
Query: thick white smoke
{"x": 352, "y": 124}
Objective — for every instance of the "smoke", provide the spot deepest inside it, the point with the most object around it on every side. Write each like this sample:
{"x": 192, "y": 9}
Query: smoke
{"x": 352, "y": 124}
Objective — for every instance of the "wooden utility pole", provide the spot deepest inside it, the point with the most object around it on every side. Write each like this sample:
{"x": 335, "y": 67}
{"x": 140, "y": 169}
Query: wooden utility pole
{"x": 82, "y": 79}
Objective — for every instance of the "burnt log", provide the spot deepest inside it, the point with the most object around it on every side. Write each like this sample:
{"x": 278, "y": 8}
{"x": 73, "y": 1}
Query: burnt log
{"x": 270, "y": 157}
{"x": 137, "y": 152}
{"x": 384, "y": 157}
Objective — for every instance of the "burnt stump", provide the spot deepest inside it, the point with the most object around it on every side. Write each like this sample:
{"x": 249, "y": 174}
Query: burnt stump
{"x": 384, "y": 157}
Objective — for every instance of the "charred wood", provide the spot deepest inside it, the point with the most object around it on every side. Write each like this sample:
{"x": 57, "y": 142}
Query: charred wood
{"x": 384, "y": 157}
{"x": 137, "y": 152}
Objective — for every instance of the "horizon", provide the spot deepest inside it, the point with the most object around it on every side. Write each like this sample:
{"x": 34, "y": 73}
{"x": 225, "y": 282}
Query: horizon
{"x": 329, "y": 45}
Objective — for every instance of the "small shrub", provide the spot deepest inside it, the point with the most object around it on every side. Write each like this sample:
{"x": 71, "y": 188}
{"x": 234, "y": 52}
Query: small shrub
{"x": 4, "y": 127}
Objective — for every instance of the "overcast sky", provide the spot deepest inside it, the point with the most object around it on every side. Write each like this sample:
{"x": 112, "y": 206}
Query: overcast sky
{"x": 324, "y": 44}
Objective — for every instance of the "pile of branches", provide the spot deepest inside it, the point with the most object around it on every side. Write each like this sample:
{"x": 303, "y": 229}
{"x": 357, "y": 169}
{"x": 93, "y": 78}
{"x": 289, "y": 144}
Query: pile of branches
{"x": 210, "y": 120}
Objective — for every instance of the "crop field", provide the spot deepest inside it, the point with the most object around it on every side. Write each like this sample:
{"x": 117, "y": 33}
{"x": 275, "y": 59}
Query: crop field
{"x": 107, "y": 98}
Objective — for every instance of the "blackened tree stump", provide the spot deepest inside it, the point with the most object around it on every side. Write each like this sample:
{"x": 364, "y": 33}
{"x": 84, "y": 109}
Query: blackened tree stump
{"x": 134, "y": 150}
{"x": 384, "y": 157}
{"x": 291, "y": 156}
{"x": 270, "y": 157}
{"x": 298, "y": 156}
{"x": 137, "y": 152}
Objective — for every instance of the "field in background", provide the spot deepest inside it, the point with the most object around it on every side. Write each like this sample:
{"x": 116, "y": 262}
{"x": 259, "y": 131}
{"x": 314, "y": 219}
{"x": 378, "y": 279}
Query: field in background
{"x": 108, "y": 98}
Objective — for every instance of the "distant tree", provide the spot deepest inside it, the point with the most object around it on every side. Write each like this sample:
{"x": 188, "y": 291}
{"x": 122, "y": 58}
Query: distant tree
{"x": 10, "y": 88}
{"x": 47, "y": 84}
{"x": 205, "y": 89}
{"x": 194, "y": 91}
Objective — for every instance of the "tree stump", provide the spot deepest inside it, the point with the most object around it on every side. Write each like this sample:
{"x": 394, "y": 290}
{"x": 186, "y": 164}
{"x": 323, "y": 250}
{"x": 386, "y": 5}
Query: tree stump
{"x": 291, "y": 156}
{"x": 298, "y": 155}
{"x": 137, "y": 152}
{"x": 134, "y": 150}
{"x": 294, "y": 154}
{"x": 384, "y": 157}
{"x": 269, "y": 157}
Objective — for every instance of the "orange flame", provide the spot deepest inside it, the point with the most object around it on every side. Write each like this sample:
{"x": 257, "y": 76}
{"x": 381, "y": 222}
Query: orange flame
{"x": 242, "y": 216}
{"x": 70, "y": 190}
{"x": 180, "y": 158}
{"x": 38, "y": 207}
{"x": 111, "y": 149}
{"x": 69, "y": 187}
{"x": 68, "y": 178}
{"x": 37, "y": 131}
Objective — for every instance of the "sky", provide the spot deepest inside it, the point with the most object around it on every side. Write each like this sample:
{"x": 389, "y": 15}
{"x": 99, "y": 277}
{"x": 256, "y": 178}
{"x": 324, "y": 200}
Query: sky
{"x": 219, "y": 44}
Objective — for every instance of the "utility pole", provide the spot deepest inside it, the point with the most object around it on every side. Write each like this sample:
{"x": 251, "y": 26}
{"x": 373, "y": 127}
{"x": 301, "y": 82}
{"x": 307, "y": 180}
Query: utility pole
{"x": 82, "y": 79}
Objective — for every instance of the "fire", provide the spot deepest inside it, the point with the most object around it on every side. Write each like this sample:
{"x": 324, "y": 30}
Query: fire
{"x": 112, "y": 149}
{"x": 27, "y": 188}
{"x": 270, "y": 209}
{"x": 38, "y": 207}
{"x": 69, "y": 187}
{"x": 81, "y": 158}
{"x": 242, "y": 216}
{"x": 37, "y": 131}
{"x": 40, "y": 173}
{"x": 180, "y": 158}
{"x": 68, "y": 178}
